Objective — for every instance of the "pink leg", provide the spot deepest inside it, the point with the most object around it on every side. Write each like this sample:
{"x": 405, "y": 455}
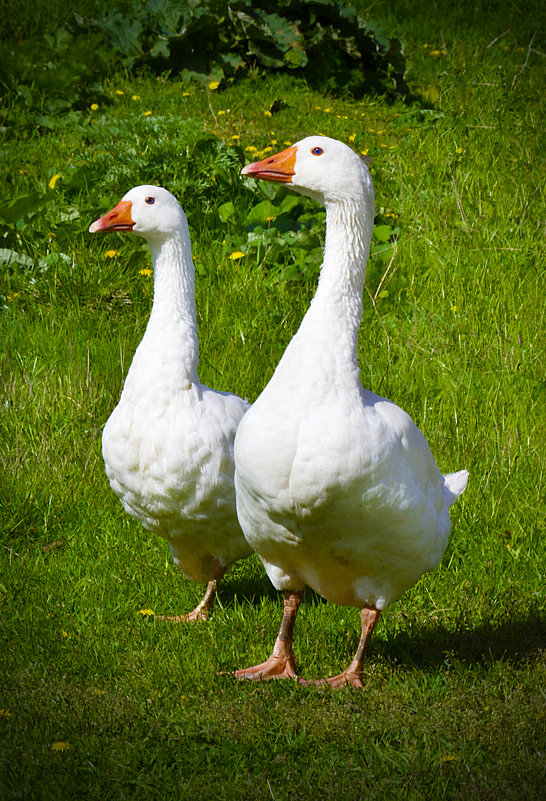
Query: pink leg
{"x": 282, "y": 662}
{"x": 201, "y": 611}
{"x": 352, "y": 676}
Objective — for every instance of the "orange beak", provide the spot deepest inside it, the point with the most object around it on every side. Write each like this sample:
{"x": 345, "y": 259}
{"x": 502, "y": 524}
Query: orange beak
{"x": 279, "y": 168}
{"x": 119, "y": 219}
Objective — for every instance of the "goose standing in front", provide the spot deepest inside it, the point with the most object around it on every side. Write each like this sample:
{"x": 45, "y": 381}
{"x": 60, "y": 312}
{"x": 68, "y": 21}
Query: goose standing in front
{"x": 336, "y": 487}
{"x": 168, "y": 445}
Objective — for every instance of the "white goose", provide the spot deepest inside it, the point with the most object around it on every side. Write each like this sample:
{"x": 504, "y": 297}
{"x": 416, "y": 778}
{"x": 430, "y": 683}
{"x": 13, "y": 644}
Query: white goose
{"x": 168, "y": 445}
{"x": 336, "y": 487}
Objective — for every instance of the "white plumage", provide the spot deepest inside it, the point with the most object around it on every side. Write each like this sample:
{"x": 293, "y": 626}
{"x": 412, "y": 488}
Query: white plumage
{"x": 168, "y": 445}
{"x": 337, "y": 488}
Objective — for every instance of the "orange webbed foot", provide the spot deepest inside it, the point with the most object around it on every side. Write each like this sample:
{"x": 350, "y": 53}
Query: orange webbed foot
{"x": 195, "y": 616}
{"x": 274, "y": 668}
{"x": 346, "y": 679}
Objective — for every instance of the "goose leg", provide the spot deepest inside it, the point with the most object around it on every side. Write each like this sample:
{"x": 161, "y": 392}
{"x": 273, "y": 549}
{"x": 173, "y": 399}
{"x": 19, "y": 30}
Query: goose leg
{"x": 352, "y": 676}
{"x": 282, "y": 662}
{"x": 201, "y": 611}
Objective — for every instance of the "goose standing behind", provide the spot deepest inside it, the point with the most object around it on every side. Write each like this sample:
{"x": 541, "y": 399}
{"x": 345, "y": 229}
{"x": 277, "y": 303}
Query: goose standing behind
{"x": 168, "y": 445}
{"x": 336, "y": 487}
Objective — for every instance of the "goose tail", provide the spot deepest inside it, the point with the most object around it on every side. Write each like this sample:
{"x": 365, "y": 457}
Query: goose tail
{"x": 454, "y": 484}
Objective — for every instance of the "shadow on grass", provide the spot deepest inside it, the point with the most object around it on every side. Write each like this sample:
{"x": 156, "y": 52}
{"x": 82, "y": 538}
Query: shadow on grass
{"x": 250, "y": 587}
{"x": 515, "y": 640}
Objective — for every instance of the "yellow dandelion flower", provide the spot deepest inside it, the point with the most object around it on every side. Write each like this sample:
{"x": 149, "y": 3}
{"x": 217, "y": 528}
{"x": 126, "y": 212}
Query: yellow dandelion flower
{"x": 327, "y": 110}
{"x": 459, "y": 150}
{"x": 53, "y": 180}
{"x": 60, "y": 745}
{"x": 146, "y": 612}
{"x": 221, "y": 112}
{"x": 365, "y": 152}
{"x": 64, "y": 633}
{"x": 352, "y": 137}
{"x": 271, "y": 218}
{"x": 119, "y": 92}
{"x": 267, "y": 149}
{"x": 110, "y": 254}
{"x": 235, "y": 136}
{"x": 454, "y": 309}
{"x": 213, "y": 85}
{"x": 273, "y": 142}
{"x": 267, "y": 113}
{"x": 94, "y": 106}
{"x": 13, "y": 297}
{"x": 145, "y": 271}
{"x": 147, "y": 113}
{"x": 136, "y": 97}
{"x": 237, "y": 254}
{"x": 5, "y": 713}
{"x": 185, "y": 94}
{"x": 251, "y": 149}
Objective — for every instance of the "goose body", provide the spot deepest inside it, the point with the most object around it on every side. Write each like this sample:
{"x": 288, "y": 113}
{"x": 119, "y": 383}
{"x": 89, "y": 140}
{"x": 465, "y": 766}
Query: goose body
{"x": 337, "y": 488}
{"x": 168, "y": 445}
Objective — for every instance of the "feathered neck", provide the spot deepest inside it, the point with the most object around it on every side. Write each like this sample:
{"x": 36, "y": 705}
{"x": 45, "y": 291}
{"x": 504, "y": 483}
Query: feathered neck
{"x": 171, "y": 335}
{"x": 336, "y": 308}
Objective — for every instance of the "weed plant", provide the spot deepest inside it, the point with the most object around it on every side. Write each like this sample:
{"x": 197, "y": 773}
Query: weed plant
{"x": 98, "y": 699}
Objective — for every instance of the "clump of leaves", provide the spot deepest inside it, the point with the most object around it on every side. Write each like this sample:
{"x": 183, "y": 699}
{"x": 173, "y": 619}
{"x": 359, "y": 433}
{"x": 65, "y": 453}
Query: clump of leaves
{"x": 217, "y": 39}
{"x": 48, "y": 79}
{"x": 49, "y": 76}
{"x": 38, "y": 230}
{"x": 280, "y": 231}
{"x": 285, "y": 233}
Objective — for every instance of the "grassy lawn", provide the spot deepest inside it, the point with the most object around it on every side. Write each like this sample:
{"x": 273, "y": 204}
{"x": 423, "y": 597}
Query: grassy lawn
{"x": 100, "y": 700}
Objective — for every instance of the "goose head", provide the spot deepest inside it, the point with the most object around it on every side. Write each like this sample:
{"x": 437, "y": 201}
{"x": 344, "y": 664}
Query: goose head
{"x": 320, "y": 167}
{"x": 150, "y": 211}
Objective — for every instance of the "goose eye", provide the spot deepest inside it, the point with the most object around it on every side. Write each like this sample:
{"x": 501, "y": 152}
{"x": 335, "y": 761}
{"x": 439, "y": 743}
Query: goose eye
{"x": 317, "y": 151}
{"x": 150, "y": 201}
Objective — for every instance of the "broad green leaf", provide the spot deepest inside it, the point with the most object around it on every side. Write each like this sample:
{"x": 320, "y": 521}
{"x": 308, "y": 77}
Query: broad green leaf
{"x": 23, "y": 205}
{"x": 382, "y": 233}
{"x": 265, "y": 211}
{"x": 12, "y": 257}
{"x": 226, "y": 211}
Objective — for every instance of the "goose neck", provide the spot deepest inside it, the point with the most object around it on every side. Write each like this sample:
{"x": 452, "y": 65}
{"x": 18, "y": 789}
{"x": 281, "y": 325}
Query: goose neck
{"x": 172, "y": 327}
{"x": 349, "y": 229}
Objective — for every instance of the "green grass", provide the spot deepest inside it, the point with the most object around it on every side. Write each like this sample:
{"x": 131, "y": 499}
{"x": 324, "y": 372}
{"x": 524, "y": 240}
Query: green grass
{"x": 453, "y": 705}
